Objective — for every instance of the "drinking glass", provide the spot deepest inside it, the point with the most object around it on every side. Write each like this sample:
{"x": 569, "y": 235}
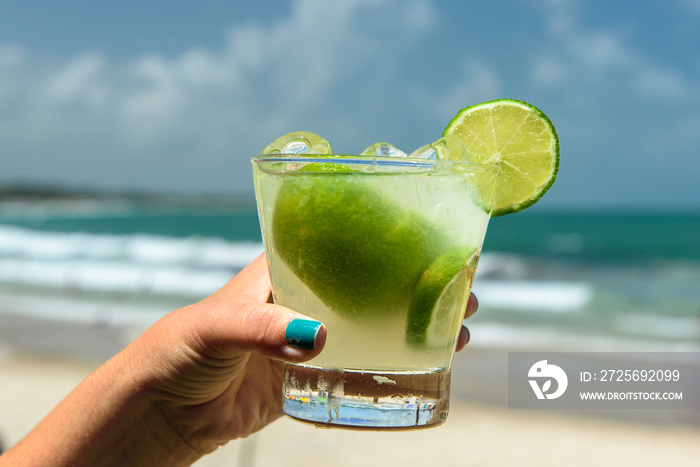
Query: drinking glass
{"x": 383, "y": 251}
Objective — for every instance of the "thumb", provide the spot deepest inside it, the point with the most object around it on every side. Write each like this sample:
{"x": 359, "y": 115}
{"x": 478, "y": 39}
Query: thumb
{"x": 272, "y": 330}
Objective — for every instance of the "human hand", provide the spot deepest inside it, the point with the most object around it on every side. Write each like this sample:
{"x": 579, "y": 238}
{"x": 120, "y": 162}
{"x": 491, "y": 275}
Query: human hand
{"x": 220, "y": 361}
{"x": 221, "y": 370}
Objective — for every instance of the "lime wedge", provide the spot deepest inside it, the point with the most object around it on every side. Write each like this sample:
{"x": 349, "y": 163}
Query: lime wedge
{"x": 357, "y": 250}
{"x": 298, "y": 142}
{"x": 438, "y": 304}
{"x": 519, "y": 139}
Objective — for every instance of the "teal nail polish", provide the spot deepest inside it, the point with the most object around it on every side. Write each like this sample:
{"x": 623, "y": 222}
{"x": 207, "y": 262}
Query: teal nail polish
{"x": 301, "y": 333}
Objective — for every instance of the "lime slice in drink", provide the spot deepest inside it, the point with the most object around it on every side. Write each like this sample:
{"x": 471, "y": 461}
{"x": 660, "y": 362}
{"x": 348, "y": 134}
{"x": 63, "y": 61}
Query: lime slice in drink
{"x": 323, "y": 167}
{"x": 356, "y": 249}
{"x": 298, "y": 142}
{"x": 519, "y": 139}
{"x": 438, "y": 304}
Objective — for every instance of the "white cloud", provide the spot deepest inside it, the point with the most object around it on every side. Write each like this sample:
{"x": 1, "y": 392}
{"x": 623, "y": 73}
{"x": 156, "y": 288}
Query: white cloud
{"x": 354, "y": 71}
{"x": 665, "y": 83}
{"x": 601, "y": 57}
{"x": 691, "y": 5}
{"x": 90, "y": 118}
{"x": 10, "y": 57}
{"x": 549, "y": 70}
{"x": 599, "y": 52}
{"x": 80, "y": 79}
{"x": 478, "y": 82}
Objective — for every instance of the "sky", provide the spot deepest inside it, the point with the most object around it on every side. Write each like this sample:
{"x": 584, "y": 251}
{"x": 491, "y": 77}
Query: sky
{"x": 175, "y": 96}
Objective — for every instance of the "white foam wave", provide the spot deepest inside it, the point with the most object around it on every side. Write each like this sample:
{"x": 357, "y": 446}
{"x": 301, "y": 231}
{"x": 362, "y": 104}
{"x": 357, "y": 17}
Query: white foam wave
{"x": 113, "y": 277}
{"x": 534, "y": 295}
{"x": 501, "y": 335}
{"x": 658, "y": 326}
{"x": 83, "y": 311}
{"x": 26, "y": 244}
{"x": 39, "y": 211}
{"x": 504, "y": 265}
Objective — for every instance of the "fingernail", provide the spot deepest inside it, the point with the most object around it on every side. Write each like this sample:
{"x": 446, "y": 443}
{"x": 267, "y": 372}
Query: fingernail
{"x": 301, "y": 333}
{"x": 469, "y": 335}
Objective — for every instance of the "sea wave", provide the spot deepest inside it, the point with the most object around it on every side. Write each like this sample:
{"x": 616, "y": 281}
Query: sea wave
{"x": 658, "y": 326}
{"x": 39, "y": 211}
{"x": 193, "y": 266}
{"x": 527, "y": 301}
{"x": 113, "y": 277}
{"x": 84, "y": 311}
{"x": 551, "y": 296}
{"x": 549, "y": 338}
{"x": 26, "y": 244}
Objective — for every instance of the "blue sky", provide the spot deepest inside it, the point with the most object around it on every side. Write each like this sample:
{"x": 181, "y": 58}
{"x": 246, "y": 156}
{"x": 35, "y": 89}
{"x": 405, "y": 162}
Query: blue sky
{"x": 177, "y": 95}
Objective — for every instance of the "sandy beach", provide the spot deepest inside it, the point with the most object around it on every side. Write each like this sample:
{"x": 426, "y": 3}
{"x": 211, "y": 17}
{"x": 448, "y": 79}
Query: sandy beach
{"x": 480, "y": 431}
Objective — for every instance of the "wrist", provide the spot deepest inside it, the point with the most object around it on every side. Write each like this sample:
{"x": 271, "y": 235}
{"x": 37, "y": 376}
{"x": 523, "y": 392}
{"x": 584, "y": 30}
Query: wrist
{"x": 147, "y": 433}
{"x": 127, "y": 422}
{"x": 111, "y": 419}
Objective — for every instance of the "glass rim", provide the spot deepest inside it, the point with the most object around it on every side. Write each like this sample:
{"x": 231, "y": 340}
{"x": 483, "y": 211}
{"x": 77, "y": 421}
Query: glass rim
{"x": 367, "y": 160}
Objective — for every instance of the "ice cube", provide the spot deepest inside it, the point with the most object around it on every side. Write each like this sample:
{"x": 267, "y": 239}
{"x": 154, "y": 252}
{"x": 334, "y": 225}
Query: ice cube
{"x": 296, "y": 147}
{"x": 424, "y": 152}
{"x": 298, "y": 142}
{"x": 448, "y": 147}
{"x": 383, "y": 150}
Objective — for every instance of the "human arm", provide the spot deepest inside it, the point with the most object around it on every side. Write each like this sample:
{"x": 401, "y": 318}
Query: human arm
{"x": 201, "y": 376}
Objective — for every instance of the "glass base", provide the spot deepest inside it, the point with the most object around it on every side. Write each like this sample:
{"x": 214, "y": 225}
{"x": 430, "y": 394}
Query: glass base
{"x": 369, "y": 400}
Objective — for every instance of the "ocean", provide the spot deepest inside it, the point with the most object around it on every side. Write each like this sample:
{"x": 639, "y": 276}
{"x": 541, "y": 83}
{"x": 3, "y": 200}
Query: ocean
{"x": 626, "y": 281}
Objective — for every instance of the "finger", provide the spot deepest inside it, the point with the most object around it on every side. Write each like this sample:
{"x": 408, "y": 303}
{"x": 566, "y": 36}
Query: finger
{"x": 273, "y": 330}
{"x": 253, "y": 282}
{"x": 463, "y": 339}
{"x": 472, "y": 306}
